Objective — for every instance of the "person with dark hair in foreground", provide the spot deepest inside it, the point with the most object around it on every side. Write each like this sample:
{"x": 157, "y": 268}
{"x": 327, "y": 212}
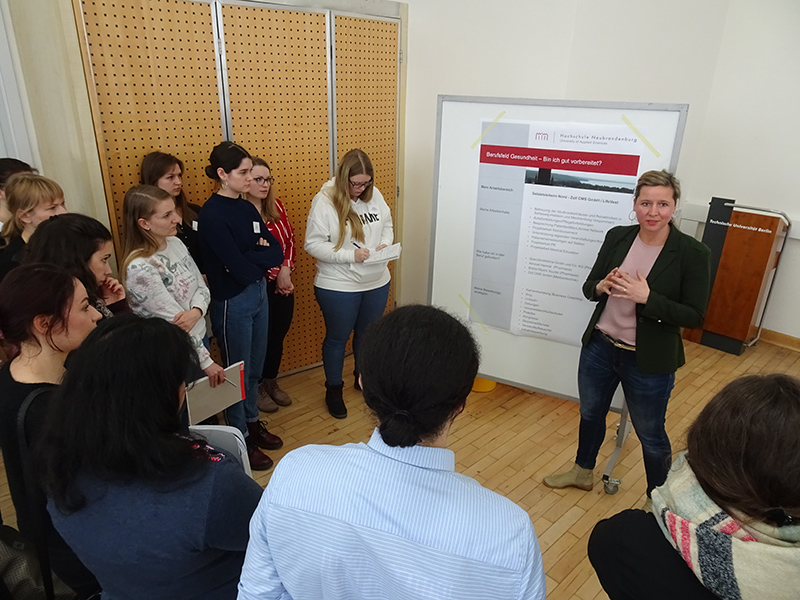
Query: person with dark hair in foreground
{"x": 83, "y": 246}
{"x": 151, "y": 513}
{"x": 726, "y": 522}
{"x": 391, "y": 519}
{"x": 45, "y": 314}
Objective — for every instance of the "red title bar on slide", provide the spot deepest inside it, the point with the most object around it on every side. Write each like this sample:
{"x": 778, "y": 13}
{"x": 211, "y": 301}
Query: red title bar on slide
{"x": 562, "y": 160}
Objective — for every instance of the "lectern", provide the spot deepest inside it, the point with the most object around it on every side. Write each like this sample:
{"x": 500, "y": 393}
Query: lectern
{"x": 746, "y": 245}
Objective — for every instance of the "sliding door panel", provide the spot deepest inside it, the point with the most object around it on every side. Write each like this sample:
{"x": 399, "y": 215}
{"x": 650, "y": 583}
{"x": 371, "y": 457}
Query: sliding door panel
{"x": 366, "y": 71}
{"x": 278, "y": 93}
{"x": 154, "y": 73}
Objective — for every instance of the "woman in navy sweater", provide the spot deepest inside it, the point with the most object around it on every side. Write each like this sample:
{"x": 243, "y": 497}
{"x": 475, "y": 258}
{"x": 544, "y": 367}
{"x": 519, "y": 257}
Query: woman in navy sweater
{"x": 237, "y": 251}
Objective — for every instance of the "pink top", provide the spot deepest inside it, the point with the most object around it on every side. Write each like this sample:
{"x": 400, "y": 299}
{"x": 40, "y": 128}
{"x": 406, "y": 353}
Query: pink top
{"x": 283, "y": 231}
{"x": 619, "y": 316}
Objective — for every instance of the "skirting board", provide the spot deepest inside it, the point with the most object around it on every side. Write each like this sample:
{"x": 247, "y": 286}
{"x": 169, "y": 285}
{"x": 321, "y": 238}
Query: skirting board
{"x": 780, "y": 339}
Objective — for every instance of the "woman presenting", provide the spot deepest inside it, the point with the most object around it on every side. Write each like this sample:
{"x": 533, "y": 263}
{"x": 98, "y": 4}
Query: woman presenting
{"x": 348, "y": 219}
{"x": 649, "y": 280}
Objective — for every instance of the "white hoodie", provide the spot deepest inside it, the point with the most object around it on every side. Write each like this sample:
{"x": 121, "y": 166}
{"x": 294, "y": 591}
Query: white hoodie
{"x": 337, "y": 270}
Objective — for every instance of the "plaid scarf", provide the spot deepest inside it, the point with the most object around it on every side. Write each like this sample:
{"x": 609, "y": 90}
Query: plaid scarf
{"x": 732, "y": 557}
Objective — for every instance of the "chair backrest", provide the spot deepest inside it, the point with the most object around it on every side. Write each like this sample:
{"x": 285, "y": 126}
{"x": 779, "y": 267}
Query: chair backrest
{"x": 228, "y": 439}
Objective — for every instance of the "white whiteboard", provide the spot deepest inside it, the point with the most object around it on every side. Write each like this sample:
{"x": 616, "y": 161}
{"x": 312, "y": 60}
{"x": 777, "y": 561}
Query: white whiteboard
{"x": 462, "y": 122}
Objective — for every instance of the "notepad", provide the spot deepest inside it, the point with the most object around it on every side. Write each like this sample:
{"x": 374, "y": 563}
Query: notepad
{"x": 203, "y": 401}
{"x": 384, "y": 255}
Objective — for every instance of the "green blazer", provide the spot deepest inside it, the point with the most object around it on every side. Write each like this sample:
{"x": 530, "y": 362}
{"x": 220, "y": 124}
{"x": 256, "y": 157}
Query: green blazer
{"x": 679, "y": 288}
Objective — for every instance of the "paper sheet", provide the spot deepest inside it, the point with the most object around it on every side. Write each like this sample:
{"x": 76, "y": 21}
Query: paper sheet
{"x": 384, "y": 255}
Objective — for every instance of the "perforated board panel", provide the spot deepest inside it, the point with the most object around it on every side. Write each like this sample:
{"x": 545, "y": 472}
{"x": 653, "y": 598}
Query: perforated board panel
{"x": 366, "y": 67}
{"x": 154, "y": 74}
{"x": 155, "y": 77}
{"x": 278, "y": 90}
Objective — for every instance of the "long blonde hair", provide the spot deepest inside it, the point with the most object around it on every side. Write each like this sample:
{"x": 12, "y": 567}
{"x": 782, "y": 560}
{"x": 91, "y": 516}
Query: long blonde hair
{"x": 24, "y": 192}
{"x": 140, "y": 203}
{"x": 355, "y": 162}
{"x": 269, "y": 208}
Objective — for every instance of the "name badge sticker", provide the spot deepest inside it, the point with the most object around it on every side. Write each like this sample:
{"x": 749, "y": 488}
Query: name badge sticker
{"x": 256, "y": 227}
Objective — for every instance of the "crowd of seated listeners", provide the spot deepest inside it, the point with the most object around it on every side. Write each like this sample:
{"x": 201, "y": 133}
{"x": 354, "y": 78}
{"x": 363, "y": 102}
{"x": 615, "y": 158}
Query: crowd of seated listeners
{"x": 132, "y": 504}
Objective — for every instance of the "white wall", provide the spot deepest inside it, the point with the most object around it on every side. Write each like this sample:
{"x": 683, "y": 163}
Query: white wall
{"x": 16, "y": 129}
{"x": 735, "y": 62}
{"x": 58, "y": 101}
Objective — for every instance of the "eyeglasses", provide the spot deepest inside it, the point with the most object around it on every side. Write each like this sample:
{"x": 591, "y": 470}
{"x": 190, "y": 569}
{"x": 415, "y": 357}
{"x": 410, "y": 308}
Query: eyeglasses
{"x": 360, "y": 186}
{"x": 263, "y": 180}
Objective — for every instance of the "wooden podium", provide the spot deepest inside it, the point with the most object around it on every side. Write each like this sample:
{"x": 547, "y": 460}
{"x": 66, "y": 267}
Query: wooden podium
{"x": 746, "y": 244}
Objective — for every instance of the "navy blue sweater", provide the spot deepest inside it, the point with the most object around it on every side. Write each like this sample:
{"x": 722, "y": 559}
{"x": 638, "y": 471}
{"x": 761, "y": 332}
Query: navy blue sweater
{"x": 185, "y": 538}
{"x": 229, "y": 245}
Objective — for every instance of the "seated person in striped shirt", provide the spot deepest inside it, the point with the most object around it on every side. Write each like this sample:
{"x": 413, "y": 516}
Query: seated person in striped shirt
{"x": 391, "y": 519}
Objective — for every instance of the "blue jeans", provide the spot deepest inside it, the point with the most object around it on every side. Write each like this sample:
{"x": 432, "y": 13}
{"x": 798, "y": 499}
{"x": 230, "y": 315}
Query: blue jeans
{"x": 240, "y": 326}
{"x": 346, "y": 312}
{"x": 601, "y": 369}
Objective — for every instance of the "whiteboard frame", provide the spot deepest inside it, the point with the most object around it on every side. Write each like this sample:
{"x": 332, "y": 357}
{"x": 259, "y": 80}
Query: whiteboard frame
{"x": 682, "y": 113}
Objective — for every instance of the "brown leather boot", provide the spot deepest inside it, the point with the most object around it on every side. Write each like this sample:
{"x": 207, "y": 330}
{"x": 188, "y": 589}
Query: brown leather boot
{"x": 258, "y": 434}
{"x": 258, "y": 460}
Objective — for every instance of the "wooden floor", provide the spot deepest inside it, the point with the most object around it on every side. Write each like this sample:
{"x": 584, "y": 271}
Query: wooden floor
{"x": 509, "y": 440}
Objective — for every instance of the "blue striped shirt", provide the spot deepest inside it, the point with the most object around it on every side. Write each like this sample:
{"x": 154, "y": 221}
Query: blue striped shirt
{"x": 370, "y": 521}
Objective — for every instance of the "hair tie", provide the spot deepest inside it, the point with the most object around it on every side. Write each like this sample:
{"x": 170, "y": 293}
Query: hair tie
{"x": 403, "y": 413}
{"x": 780, "y": 517}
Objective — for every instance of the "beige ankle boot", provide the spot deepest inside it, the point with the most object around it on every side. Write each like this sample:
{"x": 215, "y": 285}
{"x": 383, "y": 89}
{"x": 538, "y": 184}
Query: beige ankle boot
{"x": 275, "y": 392}
{"x": 578, "y": 477}
{"x": 265, "y": 402}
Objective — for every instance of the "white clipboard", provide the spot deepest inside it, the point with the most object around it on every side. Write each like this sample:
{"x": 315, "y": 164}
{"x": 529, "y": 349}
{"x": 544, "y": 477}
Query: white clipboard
{"x": 203, "y": 401}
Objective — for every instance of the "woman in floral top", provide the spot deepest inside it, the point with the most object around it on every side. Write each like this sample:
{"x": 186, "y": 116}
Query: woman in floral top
{"x": 161, "y": 277}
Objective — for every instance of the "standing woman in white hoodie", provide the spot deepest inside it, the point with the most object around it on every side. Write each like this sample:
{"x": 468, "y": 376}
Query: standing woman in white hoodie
{"x": 349, "y": 218}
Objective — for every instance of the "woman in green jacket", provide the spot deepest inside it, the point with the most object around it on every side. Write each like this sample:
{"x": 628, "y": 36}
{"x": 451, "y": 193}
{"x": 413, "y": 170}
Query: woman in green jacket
{"x": 649, "y": 280}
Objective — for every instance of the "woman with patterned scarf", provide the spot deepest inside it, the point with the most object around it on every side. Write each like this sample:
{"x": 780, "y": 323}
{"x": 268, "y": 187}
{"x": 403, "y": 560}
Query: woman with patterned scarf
{"x": 726, "y": 523}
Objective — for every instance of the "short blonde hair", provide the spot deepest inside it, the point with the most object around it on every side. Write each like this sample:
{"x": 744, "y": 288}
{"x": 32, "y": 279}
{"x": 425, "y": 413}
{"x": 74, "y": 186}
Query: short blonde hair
{"x": 24, "y": 192}
{"x": 657, "y": 178}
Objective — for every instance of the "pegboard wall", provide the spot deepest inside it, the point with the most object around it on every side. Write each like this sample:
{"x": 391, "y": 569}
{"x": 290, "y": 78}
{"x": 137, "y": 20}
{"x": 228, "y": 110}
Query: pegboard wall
{"x": 278, "y": 89}
{"x": 155, "y": 78}
{"x": 154, "y": 71}
{"x": 366, "y": 54}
